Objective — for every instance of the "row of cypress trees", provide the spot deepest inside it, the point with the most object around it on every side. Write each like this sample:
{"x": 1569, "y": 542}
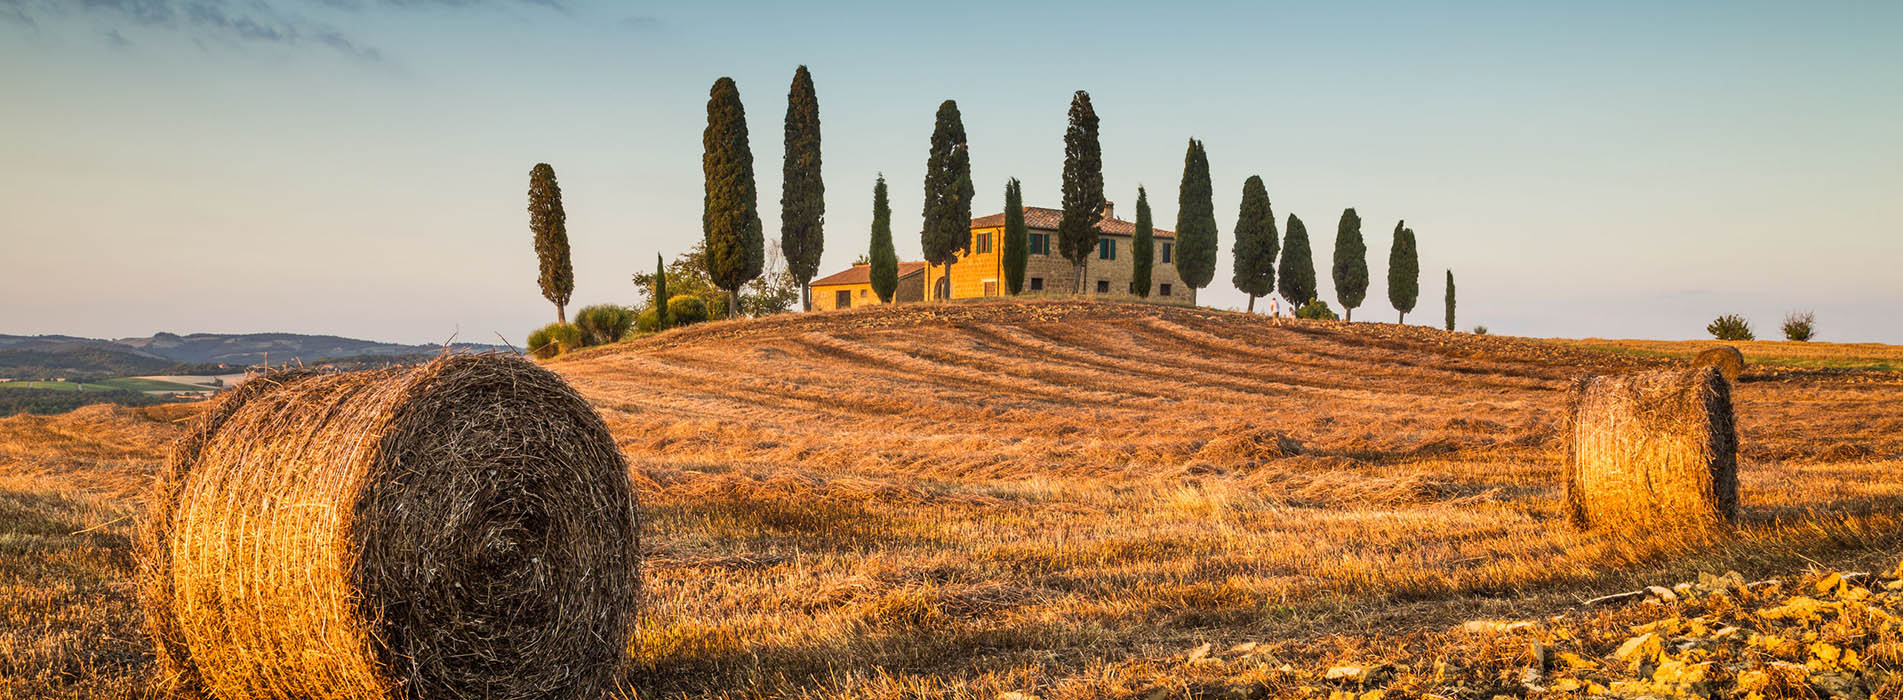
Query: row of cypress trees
{"x": 736, "y": 246}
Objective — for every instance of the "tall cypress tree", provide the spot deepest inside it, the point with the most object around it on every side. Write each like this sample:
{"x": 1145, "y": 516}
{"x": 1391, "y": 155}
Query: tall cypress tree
{"x": 948, "y": 192}
{"x": 1298, "y": 266}
{"x": 803, "y": 193}
{"x": 1256, "y": 242}
{"x": 1351, "y": 262}
{"x": 550, "y": 226}
{"x": 1017, "y": 238}
{"x": 730, "y": 215}
{"x": 1083, "y": 188}
{"x": 884, "y": 261}
{"x": 1450, "y": 300}
{"x": 1142, "y": 247}
{"x": 1196, "y": 220}
{"x": 661, "y": 321}
{"x": 1404, "y": 271}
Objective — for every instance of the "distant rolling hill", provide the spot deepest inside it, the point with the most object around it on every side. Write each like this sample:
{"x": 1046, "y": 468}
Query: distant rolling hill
{"x": 49, "y": 356}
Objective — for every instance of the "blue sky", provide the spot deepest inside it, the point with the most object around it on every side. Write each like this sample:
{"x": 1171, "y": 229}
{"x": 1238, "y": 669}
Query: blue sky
{"x": 359, "y": 167}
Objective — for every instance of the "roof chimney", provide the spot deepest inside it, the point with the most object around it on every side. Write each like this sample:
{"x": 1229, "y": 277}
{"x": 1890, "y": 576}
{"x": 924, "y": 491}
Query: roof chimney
{"x": 1109, "y": 209}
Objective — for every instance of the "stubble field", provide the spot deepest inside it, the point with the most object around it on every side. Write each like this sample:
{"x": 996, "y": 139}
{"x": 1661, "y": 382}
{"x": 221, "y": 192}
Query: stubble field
{"x": 1054, "y": 497}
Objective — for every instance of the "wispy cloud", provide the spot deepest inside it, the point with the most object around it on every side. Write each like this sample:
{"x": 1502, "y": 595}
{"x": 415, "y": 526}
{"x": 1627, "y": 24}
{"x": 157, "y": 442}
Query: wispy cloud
{"x": 248, "y": 21}
{"x": 641, "y": 23}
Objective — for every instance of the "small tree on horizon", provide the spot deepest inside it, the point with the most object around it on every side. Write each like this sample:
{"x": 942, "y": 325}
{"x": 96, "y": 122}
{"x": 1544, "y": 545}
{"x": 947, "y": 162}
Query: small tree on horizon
{"x": 882, "y": 260}
{"x": 550, "y": 225}
{"x": 1083, "y": 188}
{"x": 730, "y": 216}
{"x": 1351, "y": 263}
{"x": 1256, "y": 242}
{"x": 1142, "y": 247}
{"x": 803, "y": 191}
{"x": 1404, "y": 271}
{"x": 1196, "y": 220}
{"x": 1450, "y": 300}
{"x": 1017, "y": 238}
{"x": 948, "y": 192}
{"x": 661, "y": 321}
{"x": 1298, "y": 266}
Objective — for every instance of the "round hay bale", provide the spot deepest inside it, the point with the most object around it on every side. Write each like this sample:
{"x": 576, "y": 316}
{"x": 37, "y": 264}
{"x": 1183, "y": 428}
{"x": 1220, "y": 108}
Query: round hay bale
{"x": 1653, "y": 451}
{"x": 1726, "y": 358}
{"x": 460, "y": 529}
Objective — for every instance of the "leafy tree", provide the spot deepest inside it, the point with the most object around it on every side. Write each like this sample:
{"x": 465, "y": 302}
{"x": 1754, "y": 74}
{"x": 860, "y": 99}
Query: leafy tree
{"x": 1801, "y": 327}
{"x": 1404, "y": 271}
{"x": 550, "y": 226}
{"x": 1017, "y": 238}
{"x": 1083, "y": 188}
{"x": 1196, "y": 220}
{"x": 1298, "y": 266}
{"x": 1731, "y": 327}
{"x": 1351, "y": 263}
{"x": 1450, "y": 300}
{"x": 803, "y": 194}
{"x": 730, "y": 217}
{"x": 1256, "y": 243}
{"x": 884, "y": 261}
{"x": 659, "y": 305}
{"x": 948, "y": 192}
{"x": 686, "y": 274}
{"x": 1142, "y": 247}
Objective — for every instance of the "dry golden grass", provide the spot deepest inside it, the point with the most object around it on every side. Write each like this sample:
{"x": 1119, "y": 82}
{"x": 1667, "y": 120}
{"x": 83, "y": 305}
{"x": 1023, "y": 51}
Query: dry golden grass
{"x": 1782, "y": 353}
{"x": 1061, "y": 498}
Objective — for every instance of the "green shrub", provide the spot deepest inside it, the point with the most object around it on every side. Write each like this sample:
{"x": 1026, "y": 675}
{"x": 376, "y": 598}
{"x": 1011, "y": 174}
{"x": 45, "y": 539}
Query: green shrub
{"x": 603, "y": 323}
{"x": 1316, "y": 309}
{"x": 1730, "y": 327}
{"x": 686, "y": 309}
{"x": 1480, "y": 330}
{"x": 555, "y": 339}
{"x": 1800, "y": 327}
{"x": 647, "y": 322}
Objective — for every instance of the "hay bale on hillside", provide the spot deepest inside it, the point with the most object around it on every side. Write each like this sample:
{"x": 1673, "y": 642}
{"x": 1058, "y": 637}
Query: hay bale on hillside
{"x": 459, "y": 529}
{"x": 1653, "y": 451}
{"x": 1726, "y": 358}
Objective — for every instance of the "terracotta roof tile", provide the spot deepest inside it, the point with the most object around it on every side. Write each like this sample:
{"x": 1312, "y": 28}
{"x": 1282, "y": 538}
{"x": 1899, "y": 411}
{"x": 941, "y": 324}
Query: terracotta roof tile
{"x": 1043, "y": 219}
{"x": 861, "y": 274}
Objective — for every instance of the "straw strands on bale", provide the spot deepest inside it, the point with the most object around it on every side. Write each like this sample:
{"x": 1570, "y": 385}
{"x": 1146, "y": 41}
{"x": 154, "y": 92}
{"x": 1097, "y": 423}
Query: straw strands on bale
{"x": 1653, "y": 451}
{"x": 1726, "y": 358}
{"x": 459, "y": 529}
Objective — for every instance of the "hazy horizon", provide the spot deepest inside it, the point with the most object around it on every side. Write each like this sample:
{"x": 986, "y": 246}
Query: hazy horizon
{"x": 360, "y": 167}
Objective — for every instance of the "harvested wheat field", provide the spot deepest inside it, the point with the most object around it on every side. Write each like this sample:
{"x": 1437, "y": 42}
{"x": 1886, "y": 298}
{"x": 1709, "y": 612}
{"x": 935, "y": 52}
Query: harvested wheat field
{"x": 1068, "y": 499}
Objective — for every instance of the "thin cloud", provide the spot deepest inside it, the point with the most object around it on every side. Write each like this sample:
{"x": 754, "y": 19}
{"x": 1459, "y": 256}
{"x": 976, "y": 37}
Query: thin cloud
{"x": 245, "y": 21}
{"x": 640, "y": 23}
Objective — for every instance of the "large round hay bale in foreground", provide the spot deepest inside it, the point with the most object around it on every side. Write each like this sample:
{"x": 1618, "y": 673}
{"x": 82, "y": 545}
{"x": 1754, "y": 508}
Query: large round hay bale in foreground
{"x": 460, "y": 529}
{"x": 1653, "y": 451}
{"x": 1726, "y": 358}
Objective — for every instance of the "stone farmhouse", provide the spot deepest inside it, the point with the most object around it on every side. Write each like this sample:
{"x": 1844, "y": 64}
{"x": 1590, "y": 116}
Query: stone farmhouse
{"x": 980, "y": 273}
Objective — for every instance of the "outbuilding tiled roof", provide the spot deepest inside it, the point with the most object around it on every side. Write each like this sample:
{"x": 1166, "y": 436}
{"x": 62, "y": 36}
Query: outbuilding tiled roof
{"x": 1046, "y": 220}
{"x": 862, "y": 274}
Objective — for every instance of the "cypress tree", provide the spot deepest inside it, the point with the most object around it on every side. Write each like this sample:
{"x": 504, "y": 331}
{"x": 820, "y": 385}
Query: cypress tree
{"x": 881, "y": 258}
{"x": 1083, "y": 188}
{"x": 1255, "y": 246}
{"x": 660, "y": 295}
{"x": 948, "y": 191}
{"x": 1351, "y": 262}
{"x": 1142, "y": 247}
{"x": 1196, "y": 220}
{"x": 1450, "y": 300}
{"x": 730, "y": 215}
{"x": 1298, "y": 266}
{"x": 803, "y": 194}
{"x": 550, "y": 226}
{"x": 1404, "y": 271}
{"x": 1017, "y": 238}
